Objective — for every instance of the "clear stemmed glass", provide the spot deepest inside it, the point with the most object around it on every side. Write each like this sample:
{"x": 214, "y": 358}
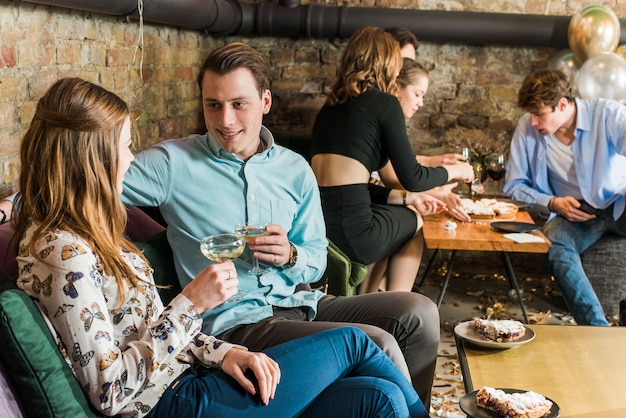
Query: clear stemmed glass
{"x": 249, "y": 233}
{"x": 224, "y": 247}
{"x": 496, "y": 168}
{"x": 465, "y": 152}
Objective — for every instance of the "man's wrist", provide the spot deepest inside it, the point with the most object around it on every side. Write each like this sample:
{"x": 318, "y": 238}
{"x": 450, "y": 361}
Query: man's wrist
{"x": 293, "y": 256}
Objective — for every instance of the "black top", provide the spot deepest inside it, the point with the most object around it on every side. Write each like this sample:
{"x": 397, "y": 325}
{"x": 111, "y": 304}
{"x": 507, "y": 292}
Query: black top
{"x": 370, "y": 128}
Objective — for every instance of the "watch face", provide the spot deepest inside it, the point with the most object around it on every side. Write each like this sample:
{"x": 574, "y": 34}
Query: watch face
{"x": 293, "y": 254}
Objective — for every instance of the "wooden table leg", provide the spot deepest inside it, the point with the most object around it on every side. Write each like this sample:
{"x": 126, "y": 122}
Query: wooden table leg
{"x": 513, "y": 282}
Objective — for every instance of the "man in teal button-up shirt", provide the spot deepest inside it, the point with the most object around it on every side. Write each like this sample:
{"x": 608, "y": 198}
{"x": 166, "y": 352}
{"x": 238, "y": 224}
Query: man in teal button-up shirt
{"x": 207, "y": 184}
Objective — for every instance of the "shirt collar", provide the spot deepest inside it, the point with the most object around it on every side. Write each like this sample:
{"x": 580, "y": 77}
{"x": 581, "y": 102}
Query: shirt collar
{"x": 265, "y": 135}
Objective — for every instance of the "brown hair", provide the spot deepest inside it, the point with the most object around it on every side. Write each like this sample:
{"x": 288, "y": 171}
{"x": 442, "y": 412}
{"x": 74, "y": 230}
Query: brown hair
{"x": 231, "y": 57}
{"x": 404, "y": 37}
{"x": 371, "y": 58}
{"x": 69, "y": 167}
{"x": 544, "y": 88}
{"x": 410, "y": 73}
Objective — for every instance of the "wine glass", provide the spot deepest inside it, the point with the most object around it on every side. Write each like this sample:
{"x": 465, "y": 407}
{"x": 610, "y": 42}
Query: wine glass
{"x": 249, "y": 232}
{"x": 496, "y": 168}
{"x": 465, "y": 152}
{"x": 224, "y": 247}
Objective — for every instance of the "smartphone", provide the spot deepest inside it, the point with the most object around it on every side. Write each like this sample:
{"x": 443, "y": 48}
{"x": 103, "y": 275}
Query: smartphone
{"x": 585, "y": 207}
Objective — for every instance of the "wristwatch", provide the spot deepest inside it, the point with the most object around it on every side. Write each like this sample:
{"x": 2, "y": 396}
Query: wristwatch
{"x": 293, "y": 256}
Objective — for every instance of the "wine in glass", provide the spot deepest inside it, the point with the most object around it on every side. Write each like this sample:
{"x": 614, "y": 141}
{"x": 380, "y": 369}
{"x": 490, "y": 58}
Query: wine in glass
{"x": 249, "y": 232}
{"x": 223, "y": 247}
{"x": 496, "y": 168}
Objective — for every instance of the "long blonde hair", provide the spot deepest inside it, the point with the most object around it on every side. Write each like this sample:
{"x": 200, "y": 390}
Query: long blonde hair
{"x": 69, "y": 168}
{"x": 371, "y": 58}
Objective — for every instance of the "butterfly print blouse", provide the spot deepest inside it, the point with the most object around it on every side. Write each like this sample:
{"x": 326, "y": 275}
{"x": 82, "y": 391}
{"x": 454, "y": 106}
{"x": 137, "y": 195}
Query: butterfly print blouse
{"x": 123, "y": 358}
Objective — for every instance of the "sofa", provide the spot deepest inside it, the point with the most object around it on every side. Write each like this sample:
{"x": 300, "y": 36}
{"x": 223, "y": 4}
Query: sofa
{"x": 605, "y": 265}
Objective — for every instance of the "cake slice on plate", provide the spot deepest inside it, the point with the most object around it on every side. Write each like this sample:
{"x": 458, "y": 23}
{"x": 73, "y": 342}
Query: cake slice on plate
{"x": 499, "y": 330}
{"x": 513, "y": 405}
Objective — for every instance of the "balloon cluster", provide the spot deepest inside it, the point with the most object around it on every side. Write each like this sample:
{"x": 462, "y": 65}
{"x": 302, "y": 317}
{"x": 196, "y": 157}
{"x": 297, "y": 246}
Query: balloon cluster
{"x": 594, "y": 63}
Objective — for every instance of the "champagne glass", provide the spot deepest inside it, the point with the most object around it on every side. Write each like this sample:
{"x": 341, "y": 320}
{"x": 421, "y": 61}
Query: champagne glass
{"x": 223, "y": 247}
{"x": 496, "y": 168}
{"x": 249, "y": 232}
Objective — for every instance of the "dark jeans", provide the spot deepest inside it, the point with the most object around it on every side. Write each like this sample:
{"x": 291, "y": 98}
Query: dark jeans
{"x": 404, "y": 324}
{"x": 569, "y": 240}
{"x": 339, "y": 373}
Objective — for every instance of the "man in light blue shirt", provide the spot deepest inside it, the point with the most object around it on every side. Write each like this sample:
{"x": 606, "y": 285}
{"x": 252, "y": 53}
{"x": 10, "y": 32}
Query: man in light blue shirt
{"x": 568, "y": 155}
{"x": 207, "y": 184}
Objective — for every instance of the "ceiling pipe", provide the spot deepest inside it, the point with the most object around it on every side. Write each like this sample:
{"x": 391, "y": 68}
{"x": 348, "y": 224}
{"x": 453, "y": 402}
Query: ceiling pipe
{"x": 235, "y": 17}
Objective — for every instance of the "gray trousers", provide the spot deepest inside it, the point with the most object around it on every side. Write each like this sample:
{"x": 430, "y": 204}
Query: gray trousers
{"x": 404, "y": 324}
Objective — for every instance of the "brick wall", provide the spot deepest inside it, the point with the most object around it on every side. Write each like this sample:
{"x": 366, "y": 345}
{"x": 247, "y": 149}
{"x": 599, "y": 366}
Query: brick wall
{"x": 470, "y": 86}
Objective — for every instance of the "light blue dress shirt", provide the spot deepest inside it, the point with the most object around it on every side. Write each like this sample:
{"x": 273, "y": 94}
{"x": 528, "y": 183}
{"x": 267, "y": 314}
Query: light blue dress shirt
{"x": 203, "y": 190}
{"x": 599, "y": 150}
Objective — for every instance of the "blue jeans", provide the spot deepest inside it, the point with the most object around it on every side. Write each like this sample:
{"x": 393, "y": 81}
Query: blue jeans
{"x": 569, "y": 240}
{"x": 339, "y": 372}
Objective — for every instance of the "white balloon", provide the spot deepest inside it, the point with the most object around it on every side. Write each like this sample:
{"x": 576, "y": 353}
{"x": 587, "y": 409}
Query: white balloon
{"x": 603, "y": 75}
{"x": 566, "y": 61}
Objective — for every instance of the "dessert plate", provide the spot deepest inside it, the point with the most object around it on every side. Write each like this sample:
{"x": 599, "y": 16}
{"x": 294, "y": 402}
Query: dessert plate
{"x": 465, "y": 330}
{"x": 515, "y": 226}
{"x": 468, "y": 405}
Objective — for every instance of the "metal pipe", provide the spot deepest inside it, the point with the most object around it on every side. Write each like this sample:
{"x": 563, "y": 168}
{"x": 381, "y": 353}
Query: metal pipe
{"x": 234, "y": 17}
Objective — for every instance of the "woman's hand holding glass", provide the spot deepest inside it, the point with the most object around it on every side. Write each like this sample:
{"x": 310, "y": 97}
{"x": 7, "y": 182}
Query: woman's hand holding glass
{"x": 222, "y": 249}
{"x": 212, "y": 286}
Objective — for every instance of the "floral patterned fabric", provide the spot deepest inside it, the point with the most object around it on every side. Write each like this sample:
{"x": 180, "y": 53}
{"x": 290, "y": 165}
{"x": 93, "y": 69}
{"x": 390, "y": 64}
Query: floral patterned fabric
{"x": 124, "y": 358}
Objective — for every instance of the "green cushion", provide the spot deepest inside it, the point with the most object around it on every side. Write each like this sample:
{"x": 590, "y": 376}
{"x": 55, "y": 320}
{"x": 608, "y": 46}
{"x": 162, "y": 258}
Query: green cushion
{"x": 31, "y": 358}
{"x": 342, "y": 276}
{"x": 38, "y": 372}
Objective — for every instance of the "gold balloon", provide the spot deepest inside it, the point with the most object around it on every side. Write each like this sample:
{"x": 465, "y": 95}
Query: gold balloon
{"x": 621, "y": 50}
{"x": 593, "y": 31}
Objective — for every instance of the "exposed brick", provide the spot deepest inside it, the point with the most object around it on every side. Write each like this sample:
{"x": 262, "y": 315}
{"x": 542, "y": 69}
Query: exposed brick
{"x": 119, "y": 57}
{"x": 7, "y": 56}
{"x": 7, "y": 115}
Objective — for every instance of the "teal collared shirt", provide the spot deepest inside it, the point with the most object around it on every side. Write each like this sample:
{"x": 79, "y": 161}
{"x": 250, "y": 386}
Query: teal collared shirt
{"x": 599, "y": 150}
{"x": 203, "y": 190}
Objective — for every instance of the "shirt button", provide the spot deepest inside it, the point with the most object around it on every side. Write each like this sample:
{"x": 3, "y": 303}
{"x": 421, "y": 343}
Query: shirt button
{"x": 251, "y": 196}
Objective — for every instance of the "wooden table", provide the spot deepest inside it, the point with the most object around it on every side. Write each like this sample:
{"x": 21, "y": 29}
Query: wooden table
{"x": 478, "y": 236}
{"x": 581, "y": 368}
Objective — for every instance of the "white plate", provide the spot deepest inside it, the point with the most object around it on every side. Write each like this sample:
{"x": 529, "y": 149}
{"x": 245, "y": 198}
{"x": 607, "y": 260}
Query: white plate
{"x": 468, "y": 405}
{"x": 466, "y": 331}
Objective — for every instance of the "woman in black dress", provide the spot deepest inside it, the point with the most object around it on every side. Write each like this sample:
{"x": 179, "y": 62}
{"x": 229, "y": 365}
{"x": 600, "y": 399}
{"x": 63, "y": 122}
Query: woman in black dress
{"x": 359, "y": 129}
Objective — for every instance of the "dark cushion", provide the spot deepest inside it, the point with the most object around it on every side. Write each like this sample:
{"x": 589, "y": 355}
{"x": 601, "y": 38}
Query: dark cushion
{"x": 298, "y": 142}
{"x": 159, "y": 253}
{"x": 605, "y": 265}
